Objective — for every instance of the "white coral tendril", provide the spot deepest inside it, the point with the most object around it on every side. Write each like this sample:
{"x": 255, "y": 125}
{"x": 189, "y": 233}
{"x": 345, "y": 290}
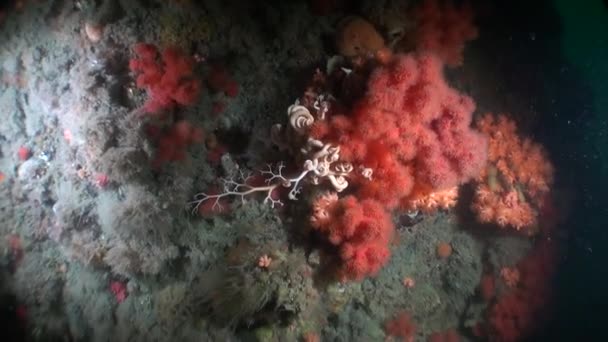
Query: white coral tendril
{"x": 366, "y": 172}
{"x": 321, "y": 106}
{"x": 344, "y": 168}
{"x": 300, "y": 118}
{"x": 338, "y": 182}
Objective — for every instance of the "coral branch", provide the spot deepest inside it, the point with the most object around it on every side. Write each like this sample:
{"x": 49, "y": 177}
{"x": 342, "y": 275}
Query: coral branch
{"x": 242, "y": 189}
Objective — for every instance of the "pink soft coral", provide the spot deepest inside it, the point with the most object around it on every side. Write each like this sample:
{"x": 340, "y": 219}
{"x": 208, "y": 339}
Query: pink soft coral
{"x": 119, "y": 290}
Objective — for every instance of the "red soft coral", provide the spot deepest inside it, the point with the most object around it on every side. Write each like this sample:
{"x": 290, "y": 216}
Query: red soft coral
{"x": 168, "y": 77}
{"x": 401, "y": 326}
{"x": 411, "y": 128}
{"x": 219, "y": 80}
{"x": 362, "y": 231}
{"x": 517, "y": 312}
{"x": 450, "y": 335}
{"x": 443, "y": 28}
{"x": 173, "y": 142}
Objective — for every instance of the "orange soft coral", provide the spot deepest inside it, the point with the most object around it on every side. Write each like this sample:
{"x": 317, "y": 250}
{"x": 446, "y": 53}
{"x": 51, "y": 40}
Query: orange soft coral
{"x": 441, "y": 199}
{"x": 510, "y": 275}
{"x": 513, "y": 186}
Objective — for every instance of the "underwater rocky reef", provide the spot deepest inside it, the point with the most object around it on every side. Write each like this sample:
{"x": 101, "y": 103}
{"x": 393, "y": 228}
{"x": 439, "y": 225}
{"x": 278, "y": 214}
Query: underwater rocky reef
{"x": 268, "y": 171}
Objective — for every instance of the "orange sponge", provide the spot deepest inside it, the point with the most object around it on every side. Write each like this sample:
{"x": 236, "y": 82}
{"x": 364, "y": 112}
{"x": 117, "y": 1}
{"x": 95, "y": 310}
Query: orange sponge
{"x": 357, "y": 37}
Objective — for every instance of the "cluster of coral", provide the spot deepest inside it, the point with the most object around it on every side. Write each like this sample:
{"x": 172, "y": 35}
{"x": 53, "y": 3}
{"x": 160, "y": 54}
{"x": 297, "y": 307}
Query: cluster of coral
{"x": 409, "y": 136}
{"x": 383, "y": 131}
{"x": 169, "y": 80}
